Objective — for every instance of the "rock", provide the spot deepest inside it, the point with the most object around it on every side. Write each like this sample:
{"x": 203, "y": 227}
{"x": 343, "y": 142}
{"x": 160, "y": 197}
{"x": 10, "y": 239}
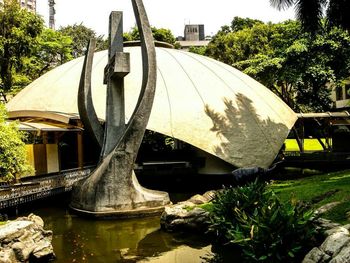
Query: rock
{"x": 315, "y": 255}
{"x": 209, "y": 195}
{"x": 338, "y": 229}
{"x": 335, "y": 248}
{"x": 198, "y": 199}
{"x": 325, "y": 208}
{"x": 343, "y": 255}
{"x": 36, "y": 219}
{"x": 334, "y": 243}
{"x": 7, "y": 255}
{"x": 24, "y": 239}
{"x": 43, "y": 249}
{"x": 176, "y": 218}
{"x": 326, "y": 224}
{"x": 186, "y": 216}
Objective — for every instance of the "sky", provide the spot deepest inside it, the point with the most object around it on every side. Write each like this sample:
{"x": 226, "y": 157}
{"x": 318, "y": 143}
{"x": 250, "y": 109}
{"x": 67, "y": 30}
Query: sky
{"x": 168, "y": 14}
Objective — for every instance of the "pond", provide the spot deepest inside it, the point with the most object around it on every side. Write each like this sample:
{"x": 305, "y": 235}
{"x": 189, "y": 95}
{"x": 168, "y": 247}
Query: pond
{"x": 77, "y": 239}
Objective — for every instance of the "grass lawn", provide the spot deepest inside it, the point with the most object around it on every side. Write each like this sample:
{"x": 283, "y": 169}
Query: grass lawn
{"x": 309, "y": 145}
{"x": 319, "y": 190}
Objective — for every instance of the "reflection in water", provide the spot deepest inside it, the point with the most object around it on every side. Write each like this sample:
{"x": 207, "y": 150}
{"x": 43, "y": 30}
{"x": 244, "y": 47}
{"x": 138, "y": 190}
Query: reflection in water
{"x": 135, "y": 240}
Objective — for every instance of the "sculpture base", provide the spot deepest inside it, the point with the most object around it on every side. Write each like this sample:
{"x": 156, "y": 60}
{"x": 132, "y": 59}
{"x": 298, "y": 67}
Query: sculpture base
{"x": 100, "y": 198}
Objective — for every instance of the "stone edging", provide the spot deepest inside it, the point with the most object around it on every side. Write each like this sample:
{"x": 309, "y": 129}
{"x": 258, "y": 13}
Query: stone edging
{"x": 25, "y": 240}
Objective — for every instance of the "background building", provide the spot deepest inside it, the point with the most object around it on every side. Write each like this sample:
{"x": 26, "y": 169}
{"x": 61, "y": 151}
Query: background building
{"x": 28, "y": 4}
{"x": 194, "y": 32}
{"x": 194, "y": 36}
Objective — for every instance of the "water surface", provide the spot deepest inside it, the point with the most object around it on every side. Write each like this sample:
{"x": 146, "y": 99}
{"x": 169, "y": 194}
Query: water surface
{"x": 77, "y": 239}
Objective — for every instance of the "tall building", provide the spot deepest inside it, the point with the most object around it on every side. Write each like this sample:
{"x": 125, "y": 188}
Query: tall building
{"x": 27, "y": 4}
{"x": 194, "y": 36}
{"x": 194, "y": 32}
{"x": 52, "y": 13}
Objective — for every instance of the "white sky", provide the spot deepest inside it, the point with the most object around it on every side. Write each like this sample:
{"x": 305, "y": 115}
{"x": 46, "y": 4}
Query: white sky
{"x": 162, "y": 13}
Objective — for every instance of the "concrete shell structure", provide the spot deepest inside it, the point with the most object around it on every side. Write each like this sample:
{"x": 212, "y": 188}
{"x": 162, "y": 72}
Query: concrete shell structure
{"x": 203, "y": 102}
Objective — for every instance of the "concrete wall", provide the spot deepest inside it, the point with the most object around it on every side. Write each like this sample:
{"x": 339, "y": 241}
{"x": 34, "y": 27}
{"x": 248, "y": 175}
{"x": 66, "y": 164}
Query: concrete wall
{"x": 43, "y": 157}
{"x": 52, "y": 158}
{"x": 194, "y": 32}
{"x": 212, "y": 164}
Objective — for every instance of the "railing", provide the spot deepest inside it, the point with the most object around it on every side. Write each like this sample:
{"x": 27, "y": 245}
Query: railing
{"x": 37, "y": 187}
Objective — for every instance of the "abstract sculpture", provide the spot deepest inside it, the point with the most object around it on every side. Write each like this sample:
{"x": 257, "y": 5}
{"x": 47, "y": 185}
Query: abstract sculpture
{"x": 112, "y": 189}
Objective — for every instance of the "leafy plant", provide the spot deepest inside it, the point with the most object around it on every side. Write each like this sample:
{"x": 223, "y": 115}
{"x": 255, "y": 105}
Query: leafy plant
{"x": 13, "y": 162}
{"x": 265, "y": 229}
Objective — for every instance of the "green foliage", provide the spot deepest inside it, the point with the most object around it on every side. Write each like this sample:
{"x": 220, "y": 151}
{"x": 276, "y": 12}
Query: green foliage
{"x": 310, "y": 188}
{"x": 81, "y": 35}
{"x": 297, "y": 66}
{"x": 266, "y": 229}
{"x": 239, "y": 23}
{"x": 159, "y": 34}
{"x": 198, "y": 50}
{"x": 52, "y": 49}
{"x": 157, "y": 142}
{"x": 13, "y": 163}
{"x": 19, "y": 30}
{"x": 311, "y": 13}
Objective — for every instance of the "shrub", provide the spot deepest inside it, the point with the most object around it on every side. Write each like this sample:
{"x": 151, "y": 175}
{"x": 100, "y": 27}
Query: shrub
{"x": 265, "y": 229}
{"x": 13, "y": 162}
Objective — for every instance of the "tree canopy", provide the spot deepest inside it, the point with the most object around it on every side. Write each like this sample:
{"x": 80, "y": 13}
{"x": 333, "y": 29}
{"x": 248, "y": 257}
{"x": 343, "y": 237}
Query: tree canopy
{"x": 159, "y": 34}
{"x": 19, "y": 30}
{"x": 13, "y": 162}
{"x": 311, "y": 13}
{"x": 52, "y": 49}
{"x": 296, "y": 65}
{"x": 81, "y": 35}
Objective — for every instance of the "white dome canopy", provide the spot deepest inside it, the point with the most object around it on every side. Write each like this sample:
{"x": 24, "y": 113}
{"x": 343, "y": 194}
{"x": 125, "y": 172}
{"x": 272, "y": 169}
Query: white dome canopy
{"x": 198, "y": 100}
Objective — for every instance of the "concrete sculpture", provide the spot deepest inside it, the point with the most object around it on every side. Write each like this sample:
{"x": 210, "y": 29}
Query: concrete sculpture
{"x": 112, "y": 189}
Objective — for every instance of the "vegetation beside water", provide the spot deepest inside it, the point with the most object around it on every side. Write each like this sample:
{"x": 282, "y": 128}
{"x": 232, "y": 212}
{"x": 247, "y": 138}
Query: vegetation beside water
{"x": 13, "y": 162}
{"x": 265, "y": 228}
{"x": 274, "y": 222}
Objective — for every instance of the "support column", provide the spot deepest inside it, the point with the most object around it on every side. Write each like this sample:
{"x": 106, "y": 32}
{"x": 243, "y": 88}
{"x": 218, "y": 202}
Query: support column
{"x": 80, "y": 150}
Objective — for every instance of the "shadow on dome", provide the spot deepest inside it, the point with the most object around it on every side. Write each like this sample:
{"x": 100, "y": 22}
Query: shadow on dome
{"x": 247, "y": 139}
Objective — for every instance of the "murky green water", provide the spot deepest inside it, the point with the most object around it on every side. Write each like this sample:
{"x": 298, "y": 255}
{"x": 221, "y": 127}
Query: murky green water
{"x": 77, "y": 239}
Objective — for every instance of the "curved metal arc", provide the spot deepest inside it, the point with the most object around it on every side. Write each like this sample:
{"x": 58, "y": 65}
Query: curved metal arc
{"x": 85, "y": 105}
{"x": 149, "y": 74}
{"x": 135, "y": 128}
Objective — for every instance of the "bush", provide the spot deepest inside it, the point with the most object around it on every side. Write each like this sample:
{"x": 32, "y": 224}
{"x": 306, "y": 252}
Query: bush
{"x": 265, "y": 229}
{"x": 13, "y": 162}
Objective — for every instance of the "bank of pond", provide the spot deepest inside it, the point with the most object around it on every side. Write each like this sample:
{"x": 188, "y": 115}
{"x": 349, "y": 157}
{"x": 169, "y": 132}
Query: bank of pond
{"x": 262, "y": 221}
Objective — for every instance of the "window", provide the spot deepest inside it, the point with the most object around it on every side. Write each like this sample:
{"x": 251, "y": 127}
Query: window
{"x": 347, "y": 91}
{"x": 339, "y": 93}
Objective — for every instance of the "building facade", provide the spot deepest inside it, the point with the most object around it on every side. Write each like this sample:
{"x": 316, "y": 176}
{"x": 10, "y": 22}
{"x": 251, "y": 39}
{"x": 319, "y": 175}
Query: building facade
{"x": 27, "y": 4}
{"x": 194, "y": 33}
{"x": 194, "y": 36}
{"x": 341, "y": 96}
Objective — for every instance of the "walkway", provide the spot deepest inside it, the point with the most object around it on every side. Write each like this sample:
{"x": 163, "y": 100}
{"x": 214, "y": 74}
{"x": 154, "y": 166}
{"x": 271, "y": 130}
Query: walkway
{"x": 36, "y": 187}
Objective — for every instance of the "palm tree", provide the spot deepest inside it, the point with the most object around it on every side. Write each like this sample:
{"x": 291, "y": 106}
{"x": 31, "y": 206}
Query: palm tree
{"x": 338, "y": 13}
{"x": 311, "y": 12}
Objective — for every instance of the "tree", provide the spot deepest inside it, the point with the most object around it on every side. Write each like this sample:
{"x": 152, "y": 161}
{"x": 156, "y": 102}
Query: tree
{"x": 81, "y": 35}
{"x": 13, "y": 162}
{"x": 310, "y": 12}
{"x": 19, "y": 29}
{"x": 297, "y": 66}
{"x": 159, "y": 34}
{"x": 239, "y": 23}
{"x": 52, "y": 49}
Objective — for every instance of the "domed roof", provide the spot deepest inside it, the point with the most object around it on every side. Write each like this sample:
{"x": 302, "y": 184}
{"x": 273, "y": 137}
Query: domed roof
{"x": 198, "y": 100}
